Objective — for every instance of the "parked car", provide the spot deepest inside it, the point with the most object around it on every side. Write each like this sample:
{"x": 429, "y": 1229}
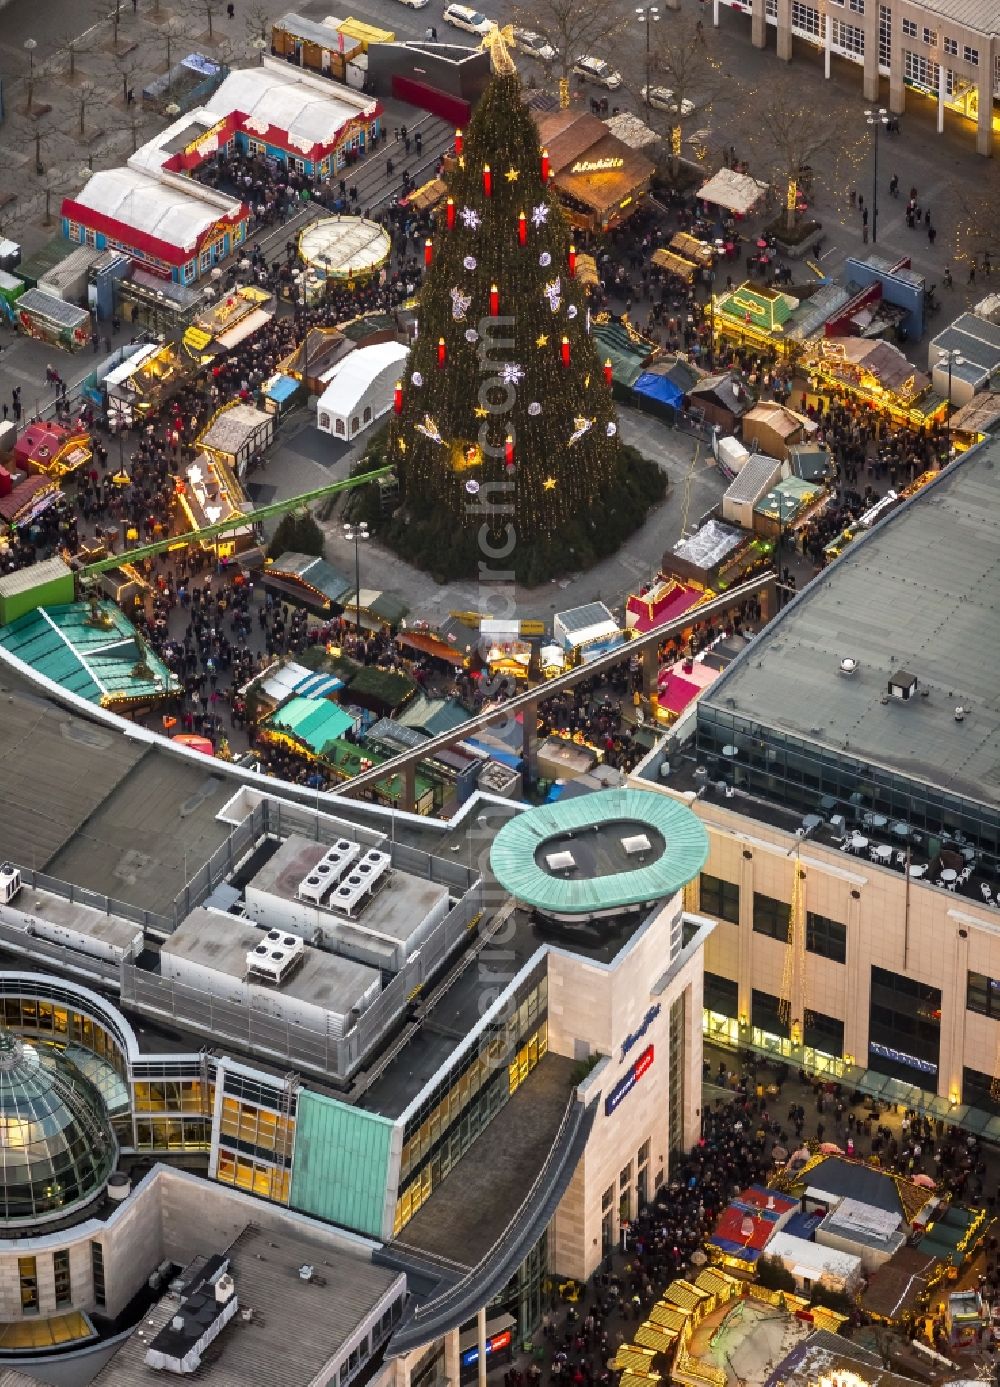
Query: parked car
{"x": 597, "y": 70}
{"x": 416, "y": 4}
{"x": 461, "y": 17}
{"x": 527, "y": 41}
{"x": 663, "y": 99}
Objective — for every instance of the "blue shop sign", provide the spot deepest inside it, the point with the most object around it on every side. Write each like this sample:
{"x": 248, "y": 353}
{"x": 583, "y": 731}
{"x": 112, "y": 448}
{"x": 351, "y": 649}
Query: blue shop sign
{"x": 636, "y": 1036}
{"x": 627, "y": 1083}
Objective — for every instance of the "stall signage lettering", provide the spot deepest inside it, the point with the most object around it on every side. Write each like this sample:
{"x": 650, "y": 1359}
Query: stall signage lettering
{"x": 640, "y": 1031}
{"x": 627, "y": 1083}
{"x": 597, "y": 165}
{"x": 494, "y": 1344}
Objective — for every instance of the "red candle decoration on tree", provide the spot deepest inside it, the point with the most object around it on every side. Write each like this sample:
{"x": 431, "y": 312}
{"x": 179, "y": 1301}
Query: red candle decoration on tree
{"x": 459, "y": 143}
{"x": 508, "y": 451}
{"x": 494, "y": 300}
{"x": 451, "y": 213}
{"x": 522, "y": 229}
{"x": 564, "y": 351}
{"x": 428, "y": 252}
{"x": 545, "y": 165}
{"x": 397, "y": 397}
{"x": 572, "y": 261}
{"x": 608, "y": 371}
{"x": 442, "y": 352}
{"x": 487, "y": 181}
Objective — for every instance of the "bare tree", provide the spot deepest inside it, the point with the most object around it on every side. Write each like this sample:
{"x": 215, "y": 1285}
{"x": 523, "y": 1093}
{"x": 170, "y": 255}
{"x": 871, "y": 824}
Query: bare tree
{"x": 258, "y": 22}
{"x": 683, "y": 80}
{"x": 73, "y": 45}
{"x": 573, "y": 28}
{"x": 125, "y": 66}
{"x": 791, "y": 136}
{"x": 83, "y": 94}
{"x": 173, "y": 30}
{"x": 208, "y": 8}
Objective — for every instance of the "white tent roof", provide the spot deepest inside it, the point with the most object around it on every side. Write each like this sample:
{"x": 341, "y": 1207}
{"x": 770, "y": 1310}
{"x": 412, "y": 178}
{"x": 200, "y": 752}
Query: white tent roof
{"x": 811, "y": 1258}
{"x": 151, "y": 207}
{"x": 354, "y": 375}
{"x": 737, "y": 192}
{"x": 628, "y": 128}
{"x": 306, "y": 113}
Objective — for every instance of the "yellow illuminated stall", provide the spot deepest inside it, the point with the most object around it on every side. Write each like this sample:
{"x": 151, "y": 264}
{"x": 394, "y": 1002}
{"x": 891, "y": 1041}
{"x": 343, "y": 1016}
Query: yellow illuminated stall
{"x": 878, "y": 374}
{"x": 210, "y": 493}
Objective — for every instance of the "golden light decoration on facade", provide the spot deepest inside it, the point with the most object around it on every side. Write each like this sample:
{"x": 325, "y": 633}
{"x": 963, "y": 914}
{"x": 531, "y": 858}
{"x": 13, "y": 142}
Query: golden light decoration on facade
{"x": 793, "y": 977}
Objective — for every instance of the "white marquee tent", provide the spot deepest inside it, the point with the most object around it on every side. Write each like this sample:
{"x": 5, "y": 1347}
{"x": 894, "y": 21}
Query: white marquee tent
{"x": 359, "y": 389}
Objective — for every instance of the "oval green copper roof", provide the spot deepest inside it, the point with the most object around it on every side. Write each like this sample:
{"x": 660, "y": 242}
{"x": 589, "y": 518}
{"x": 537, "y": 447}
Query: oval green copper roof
{"x": 512, "y": 857}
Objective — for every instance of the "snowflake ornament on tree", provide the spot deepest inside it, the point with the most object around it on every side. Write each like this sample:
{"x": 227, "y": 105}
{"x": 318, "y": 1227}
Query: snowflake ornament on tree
{"x": 511, "y": 373}
{"x": 580, "y": 427}
{"x": 534, "y": 409}
{"x": 539, "y": 215}
{"x": 612, "y": 429}
{"x": 571, "y": 311}
{"x": 553, "y": 292}
{"x": 471, "y": 335}
{"x": 545, "y": 260}
{"x": 469, "y": 262}
{"x": 417, "y": 379}
{"x": 459, "y": 304}
{"x": 470, "y": 218}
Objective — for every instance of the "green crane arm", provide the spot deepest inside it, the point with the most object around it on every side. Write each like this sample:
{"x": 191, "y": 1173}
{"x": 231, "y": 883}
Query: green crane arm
{"x": 235, "y": 522}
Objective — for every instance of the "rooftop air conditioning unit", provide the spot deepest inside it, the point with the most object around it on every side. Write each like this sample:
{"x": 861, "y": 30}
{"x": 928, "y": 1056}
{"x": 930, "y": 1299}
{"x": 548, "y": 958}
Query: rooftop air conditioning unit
{"x": 848, "y": 666}
{"x": 902, "y": 685}
{"x": 10, "y": 882}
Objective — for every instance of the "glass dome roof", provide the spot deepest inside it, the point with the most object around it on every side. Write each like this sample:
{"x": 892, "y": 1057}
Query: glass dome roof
{"x": 57, "y": 1148}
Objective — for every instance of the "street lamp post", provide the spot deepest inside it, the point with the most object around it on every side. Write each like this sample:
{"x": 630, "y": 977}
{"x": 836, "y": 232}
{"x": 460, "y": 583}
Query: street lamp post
{"x": 30, "y": 45}
{"x": 261, "y": 45}
{"x": 875, "y": 119}
{"x": 357, "y": 533}
{"x": 650, "y": 14}
{"x": 952, "y": 357}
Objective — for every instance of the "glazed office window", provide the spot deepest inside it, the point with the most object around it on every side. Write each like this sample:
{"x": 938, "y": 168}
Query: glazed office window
{"x": 254, "y": 1177}
{"x": 765, "y": 1013}
{"x": 824, "y": 1033}
{"x": 722, "y": 995}
{"x": 929, "y": 37}
{"x": 909, "y": 28}
{"x": 805, "y": 19}
{"x": 719, "y": 898}
{"x": 950, "y": 46}
{"x": 826, "y": 937}
{"x": 884, "y": 35}
{"x": 61, "y": 1278}
{"x": 971, "y": 55}
{"x": 97, "y": 1273}
{"x": 770, "y": 916}
{"x": 982, "y": 994}
{"x": 256, "y": 1130}
{"x": 978, "y": 1091}
{"x": 678, "y": 1069}
{"x": 27, "y": 1274}
{"x": 173, "y": 1134}
{"x": 904, "y": 1028}
{"x": 173, "y": 1095}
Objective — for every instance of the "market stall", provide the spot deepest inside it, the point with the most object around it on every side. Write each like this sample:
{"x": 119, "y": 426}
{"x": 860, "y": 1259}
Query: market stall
{"x": 660, "y": 602}
{"x": 224, "y": 325}
{"x": 674, "y": 264}
{"x": 586, "y": 632}
{"x": 209, "y": 493}
{"x": 878, "y": 373}
{"x": 235, "y": 434}
{"x": 736, "y": 192}
{"x": 598, "y": 179}
{"x": 53, "y": 321}
{"x": 21, "y": 502}
{"x": 307, "y": 580}
{"x": 786, "y": 506}
{"x": 52, "y": 449}
{"x": 505, "y": 651}
{"x": 146, "y": 381}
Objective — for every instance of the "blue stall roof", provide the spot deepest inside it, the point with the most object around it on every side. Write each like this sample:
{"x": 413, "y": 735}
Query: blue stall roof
{"x": 657, "y": 387}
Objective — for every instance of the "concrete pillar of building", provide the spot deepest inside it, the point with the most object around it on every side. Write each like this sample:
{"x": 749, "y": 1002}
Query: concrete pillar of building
{"x": 758, "y": 24}
{"x": 766, "y": 600}
{"x": 858, "y": 983}
{"x": 452, "y": 1366}
{"x": 953, "y": 1041}
{"x": 529, "y": 743}
{"x": 650, "y": 665}
{"x": 715, "y": 13}
{"x": 942, "y": 92}
{"x": 745, "y": 972}
{"x": 410, "y": 787}
{"x": 785, "y": 30}
{"x": 897, "y": 86}
{"x": 481, "y": 1342}
{"x": 984, "y": 124}
{"x": 870, "y": 24}
{"x": 827, "y": 44}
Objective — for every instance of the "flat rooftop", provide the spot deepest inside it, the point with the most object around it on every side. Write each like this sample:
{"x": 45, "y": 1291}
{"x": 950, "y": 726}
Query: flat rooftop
{"x": 473, "y": 1207}
{"x": 222, "y": 942}
{"x": 919, "y": 592}
{"x": 298, "y": 1325}
{"x": 397, "y": 910}
{"x": 83, "y": 919}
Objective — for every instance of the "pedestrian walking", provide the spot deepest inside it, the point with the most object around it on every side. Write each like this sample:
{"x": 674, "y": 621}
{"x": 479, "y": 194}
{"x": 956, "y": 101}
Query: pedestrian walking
{"x": 231, "y": 11}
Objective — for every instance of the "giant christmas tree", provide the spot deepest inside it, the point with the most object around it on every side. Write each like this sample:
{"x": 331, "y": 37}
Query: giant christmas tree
{"x": 504, "y": 438}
